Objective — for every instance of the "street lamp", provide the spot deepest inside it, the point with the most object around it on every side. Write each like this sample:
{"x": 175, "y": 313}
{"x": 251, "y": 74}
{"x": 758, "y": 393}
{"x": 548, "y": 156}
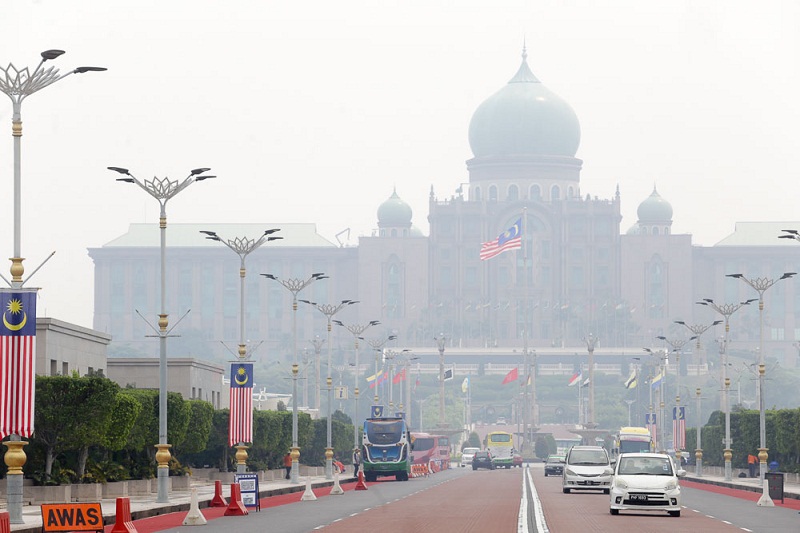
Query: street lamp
{"x": 662, "y": 357}
{"x": 726, "y": 310}
{"x": 377, "y": 345}
{"x": 329, "y": 310}
{"x": 163, "y": 190}
{"x": 677, "y": 436}
{"x": 760, "y": 285}
{"x": 295, "y": 285}
{"x": 242, "y": 246}
{"x": 18, "y": 84}
{"x": 356, "y": 330}
{"x": 698, "y": 453}
{"x": 698, "y": 329}
{"x": 441, "y": 341}
{"x": 591, "y": 343}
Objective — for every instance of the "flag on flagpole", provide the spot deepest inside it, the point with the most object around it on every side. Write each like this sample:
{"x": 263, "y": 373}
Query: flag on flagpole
{"x": 373, "y": 377}
{"x": 465, "y": 385}
{"x": 651, "y": 424}
{"x": 679, "y": 427}
{"x": 416, "y": 383}
{"x": 17, "y": 361}
{"x": 526, "y": 382}
{"x": 240, "y": 424}
{"x": 399, "y": 377}
{"x": 511, "y": 239}
{"x": 511, "y": 376}
{"x": 630, "y": 383}
{"x": 656, "y": 381}
{"x": 381, "y": 378}
{"x": 448, "y": 374}
{"x": 575, "y": 379}
{"x": 585, "y": 383}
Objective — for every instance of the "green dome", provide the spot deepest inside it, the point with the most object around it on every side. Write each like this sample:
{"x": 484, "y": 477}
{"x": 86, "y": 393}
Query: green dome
{"x": 524, "y": 118}
{"x": 394, "y": 212}
{"x": 654, "y": 210}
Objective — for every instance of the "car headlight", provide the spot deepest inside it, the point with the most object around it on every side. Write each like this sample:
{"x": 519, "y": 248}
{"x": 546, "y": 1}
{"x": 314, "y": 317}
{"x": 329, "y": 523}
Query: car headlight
{"x": 672, "y": 485}
{"x": 569, "y": 472}
{"x": 620, "y": 483}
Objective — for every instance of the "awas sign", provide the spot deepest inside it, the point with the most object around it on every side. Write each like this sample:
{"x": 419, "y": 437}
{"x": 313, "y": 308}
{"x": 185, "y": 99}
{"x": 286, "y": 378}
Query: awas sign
{"x": 72, "y": 517}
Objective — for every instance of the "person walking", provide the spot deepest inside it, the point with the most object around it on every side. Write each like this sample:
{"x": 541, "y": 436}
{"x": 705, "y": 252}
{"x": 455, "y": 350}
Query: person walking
{"x": 752, "y": 461}
{"x": 356, "y": 461}
{"x": 287, "y": 464}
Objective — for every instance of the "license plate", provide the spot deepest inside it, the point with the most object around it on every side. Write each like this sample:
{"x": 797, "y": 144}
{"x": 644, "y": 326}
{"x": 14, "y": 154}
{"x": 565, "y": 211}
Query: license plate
{"x": 638, "y": 497}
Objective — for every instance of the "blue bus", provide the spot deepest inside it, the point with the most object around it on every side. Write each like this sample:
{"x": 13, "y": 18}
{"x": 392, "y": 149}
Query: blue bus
{"x": 386, "y": 449}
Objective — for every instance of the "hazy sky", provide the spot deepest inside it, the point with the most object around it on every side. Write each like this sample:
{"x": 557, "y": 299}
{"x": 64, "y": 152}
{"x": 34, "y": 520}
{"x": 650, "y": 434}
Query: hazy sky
{"x": 313, "y": 111}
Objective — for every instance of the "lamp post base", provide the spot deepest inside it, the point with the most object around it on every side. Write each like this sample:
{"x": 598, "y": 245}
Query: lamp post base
{"x": 15, "y": 459}
{"x": 295, "y": 473}
{"x": 328, "y": 463}
{"x": 241, "y": 459}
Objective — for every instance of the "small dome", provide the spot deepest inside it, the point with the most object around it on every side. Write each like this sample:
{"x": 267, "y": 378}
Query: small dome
{"x": 655, "y": 210}
{"x": 524, "y": 118}
{"x": 394, "y": 212}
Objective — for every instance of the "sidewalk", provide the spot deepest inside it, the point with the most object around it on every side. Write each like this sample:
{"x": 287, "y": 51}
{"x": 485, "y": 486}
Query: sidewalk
{"x": 715, "y": 476}
{"x": 145, "y": 506}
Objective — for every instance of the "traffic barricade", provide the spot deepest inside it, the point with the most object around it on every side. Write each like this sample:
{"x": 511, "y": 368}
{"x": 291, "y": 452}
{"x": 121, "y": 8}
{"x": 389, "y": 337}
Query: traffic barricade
{"x": 775, "y": 485}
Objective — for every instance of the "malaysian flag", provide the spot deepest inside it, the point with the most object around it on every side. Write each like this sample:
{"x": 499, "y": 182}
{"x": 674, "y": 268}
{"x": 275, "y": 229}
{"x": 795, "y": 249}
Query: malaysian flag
{"x": 511, "y": 239}
{"x": 240, "y": 425}
{"x": 17, "y": 361}
{"x": 679, "y": 427}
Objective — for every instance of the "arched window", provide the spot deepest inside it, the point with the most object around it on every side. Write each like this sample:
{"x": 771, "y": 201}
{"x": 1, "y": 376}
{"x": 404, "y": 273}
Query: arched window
{"x": 655, "y": 230}
{"x": 536, "y": 192}
{"x": 555, "y": 193}
{"x": 493, "y": 193}
{"x": 477, "y": 192}
{"x": 513, "y": 193}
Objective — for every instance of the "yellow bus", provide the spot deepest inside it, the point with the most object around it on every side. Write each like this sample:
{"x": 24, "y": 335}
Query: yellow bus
{"x": 500, "y": 445}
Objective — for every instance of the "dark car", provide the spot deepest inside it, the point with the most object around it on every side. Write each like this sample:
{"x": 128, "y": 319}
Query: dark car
{"x": 554, "y": 466}
{"x": 482, "y": 459}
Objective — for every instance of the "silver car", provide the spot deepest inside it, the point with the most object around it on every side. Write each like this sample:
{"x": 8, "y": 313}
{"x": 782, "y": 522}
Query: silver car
{"x": 646, "y": 482}
{"x": 586, "y": 467}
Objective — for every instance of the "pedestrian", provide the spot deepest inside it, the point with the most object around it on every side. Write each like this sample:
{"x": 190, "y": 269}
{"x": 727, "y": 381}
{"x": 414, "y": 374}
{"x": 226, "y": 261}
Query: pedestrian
{"x": 337, "y": 464}
{"x": 287, "y": 464}
{"x": 356, "y": 461}
{"x": 752, "y": 460}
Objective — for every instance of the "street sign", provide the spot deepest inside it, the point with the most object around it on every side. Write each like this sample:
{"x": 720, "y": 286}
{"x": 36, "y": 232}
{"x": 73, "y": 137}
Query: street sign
{"x": 340, "y": 393}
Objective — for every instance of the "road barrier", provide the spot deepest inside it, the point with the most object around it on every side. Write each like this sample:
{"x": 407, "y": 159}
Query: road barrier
{"x": 419, "y": 470}
{"x": 123, "y": 522}
{"x": 236, "y": 507}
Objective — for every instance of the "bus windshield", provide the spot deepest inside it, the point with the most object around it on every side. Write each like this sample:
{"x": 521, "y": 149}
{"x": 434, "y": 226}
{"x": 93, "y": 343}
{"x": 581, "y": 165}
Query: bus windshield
{"x": 499, "y": 437}
{"x": 423, "y": 443}
{"x": 384, "y": 432}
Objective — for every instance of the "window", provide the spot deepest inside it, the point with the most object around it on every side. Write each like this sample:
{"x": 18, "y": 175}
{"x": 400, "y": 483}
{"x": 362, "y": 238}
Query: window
{"x": 493, "y": 193}
{"x": 555, "y": 193}
{"x": 536, "y": 192}
{"x": 513, "y": 193}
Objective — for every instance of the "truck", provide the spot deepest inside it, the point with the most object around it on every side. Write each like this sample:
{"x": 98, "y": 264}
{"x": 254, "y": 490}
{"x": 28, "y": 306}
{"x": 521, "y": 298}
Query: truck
{"x": 633, "y": 440}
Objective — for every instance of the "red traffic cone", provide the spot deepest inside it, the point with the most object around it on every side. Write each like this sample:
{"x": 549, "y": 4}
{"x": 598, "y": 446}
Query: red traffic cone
{"x": 361, "y": 485}
{"x": 236, "y": 507}
{"x": 218, "y": 500}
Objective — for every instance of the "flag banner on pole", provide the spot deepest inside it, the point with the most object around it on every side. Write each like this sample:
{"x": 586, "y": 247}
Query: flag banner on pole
{"x": 240, "y": 425}
{"x": 526, "y": 382}
{"x": 575, "y": 379}
{"x": 511, "y": 239}
{"x": 375, "y": 376}
{"x": 679, "y": 427}
{"x": 401, "y": 376}
{"x": 17, "y": 361}
{"x": 585, "y": 383}
{"x": 448, "y": 374}
{"x": 657, "y": 379}
{"x": 630, "y": 383}
{"x": 511, "y": 376}
{"x": 465, "y": 385}
{"x": 381, "y": 378}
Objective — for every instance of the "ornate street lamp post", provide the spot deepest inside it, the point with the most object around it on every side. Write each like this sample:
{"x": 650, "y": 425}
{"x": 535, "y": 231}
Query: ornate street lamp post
{"x": 677, "y": 345}
{"x": 356, "y": 330}
{"x": 761, "y": 285}
{"x": 329, "y": 310}
{"x": 591, "y": 343}
{"x": 162, "y": 190}
{"x": 18, "y": 84}
{"x": 726, "y": 310}
{"x": 377, "y": 345}
{"x": 242, "y": 246}
{"x": 698, "y": 453}
{"x": 295, "y": 285}
{"x": 441, "y": 341}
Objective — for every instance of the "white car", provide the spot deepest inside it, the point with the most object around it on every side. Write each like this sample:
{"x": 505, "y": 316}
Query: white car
{"x": 466, "y": 456}
{"x": 586, "y": 467}
{"x": 646, "y": 482}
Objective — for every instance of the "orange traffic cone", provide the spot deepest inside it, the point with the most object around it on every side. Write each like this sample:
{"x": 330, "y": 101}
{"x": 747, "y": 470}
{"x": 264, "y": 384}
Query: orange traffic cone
{"x": 361, "y": 485}
{"x": 218, "y": 500}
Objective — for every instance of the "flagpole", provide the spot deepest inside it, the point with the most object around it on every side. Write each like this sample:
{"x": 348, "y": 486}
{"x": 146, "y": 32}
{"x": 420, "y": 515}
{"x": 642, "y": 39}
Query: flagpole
{"x": 529, "y": 410}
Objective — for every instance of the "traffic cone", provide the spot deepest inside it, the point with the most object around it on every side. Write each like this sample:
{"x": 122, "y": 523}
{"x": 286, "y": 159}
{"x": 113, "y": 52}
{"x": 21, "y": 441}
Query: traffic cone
{"x": 337, "y": 489}
{"x": 236, "y": 507}
{"x": 308, "y": 495}
{"x": 122, "y": 520}
{"x": 218, "y": 500}
{"x": 361, "y": 485}
{"x": 194, "y": 517}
